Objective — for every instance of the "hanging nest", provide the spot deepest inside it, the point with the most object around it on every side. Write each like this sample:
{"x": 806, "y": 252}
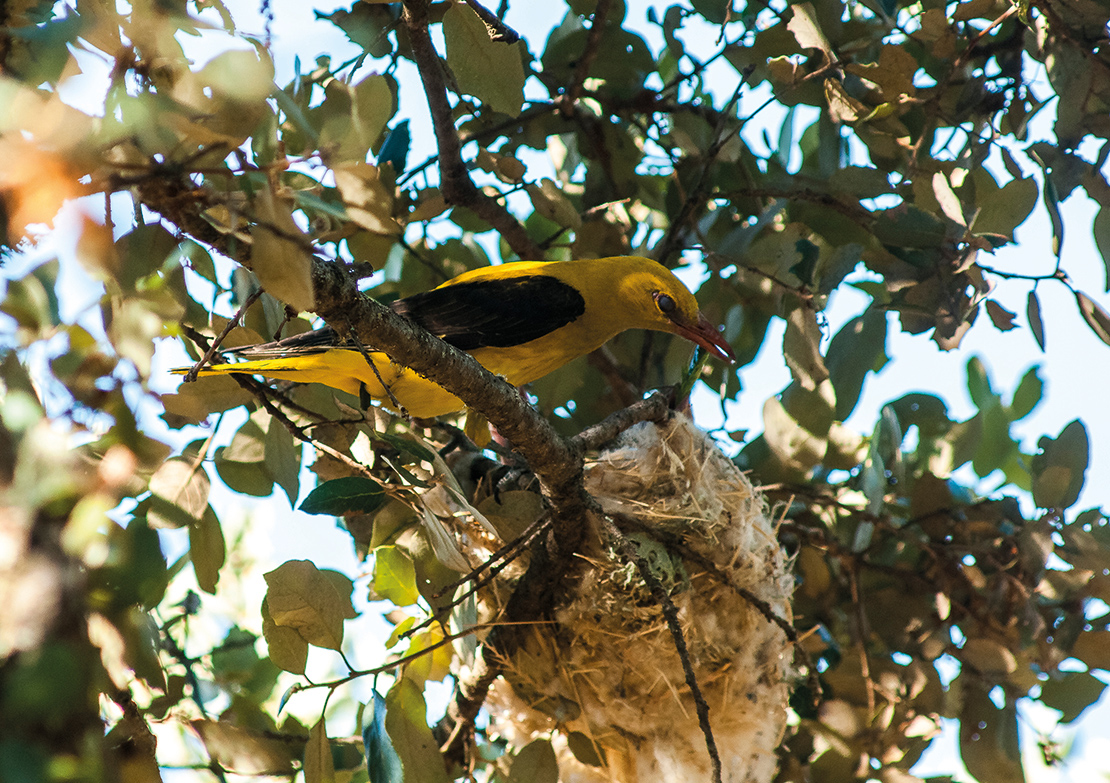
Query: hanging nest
{"x": 607, "y": 673}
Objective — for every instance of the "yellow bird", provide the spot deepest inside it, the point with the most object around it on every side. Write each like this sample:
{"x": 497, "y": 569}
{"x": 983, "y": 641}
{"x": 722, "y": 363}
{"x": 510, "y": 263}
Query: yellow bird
{"x": 520, "y": 320}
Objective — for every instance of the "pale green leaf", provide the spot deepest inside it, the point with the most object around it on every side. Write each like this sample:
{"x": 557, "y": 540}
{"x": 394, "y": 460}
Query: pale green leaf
{"x": 490, "y": 70}
{"x": 207, "y": 549}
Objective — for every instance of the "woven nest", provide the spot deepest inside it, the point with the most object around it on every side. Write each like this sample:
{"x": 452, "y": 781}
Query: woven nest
{"x": 609, "y": 669}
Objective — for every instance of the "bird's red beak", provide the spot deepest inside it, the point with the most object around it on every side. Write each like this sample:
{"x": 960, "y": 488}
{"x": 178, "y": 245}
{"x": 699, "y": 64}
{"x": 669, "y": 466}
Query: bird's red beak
{"x": 708, "y": 337}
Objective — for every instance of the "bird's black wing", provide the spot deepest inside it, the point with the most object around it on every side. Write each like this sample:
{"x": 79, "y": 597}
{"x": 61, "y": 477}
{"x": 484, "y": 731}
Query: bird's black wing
{"x": 315, "y": 341}
{"x": 498, "y": 312}
{"x": 501, "y": 312}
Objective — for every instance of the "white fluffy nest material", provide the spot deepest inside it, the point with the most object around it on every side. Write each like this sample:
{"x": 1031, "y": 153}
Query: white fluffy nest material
{"x": 609, "y": 669}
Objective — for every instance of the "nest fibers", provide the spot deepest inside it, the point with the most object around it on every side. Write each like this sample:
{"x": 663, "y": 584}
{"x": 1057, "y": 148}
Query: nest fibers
{"x": 609, "y": 670}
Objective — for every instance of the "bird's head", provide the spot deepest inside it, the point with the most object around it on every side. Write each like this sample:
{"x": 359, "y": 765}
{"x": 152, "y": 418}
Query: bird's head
{"x": 661, "y": 302}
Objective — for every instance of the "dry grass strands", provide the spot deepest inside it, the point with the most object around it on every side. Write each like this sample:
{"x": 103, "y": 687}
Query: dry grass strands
{"x": 609, "y": 669}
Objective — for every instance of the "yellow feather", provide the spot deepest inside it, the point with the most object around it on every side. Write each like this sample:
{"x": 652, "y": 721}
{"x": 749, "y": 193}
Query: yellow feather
{"x": 620, "y": 293}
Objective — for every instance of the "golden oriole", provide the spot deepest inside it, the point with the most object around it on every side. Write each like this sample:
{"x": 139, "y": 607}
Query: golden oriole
{"x": 520, "y": 320}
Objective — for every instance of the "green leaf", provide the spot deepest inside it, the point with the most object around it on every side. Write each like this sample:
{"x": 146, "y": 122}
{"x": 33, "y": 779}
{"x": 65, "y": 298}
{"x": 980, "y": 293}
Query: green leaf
{"x": 512, "y": 512}
{"x": 489, "y": 70}
{"x": 979, "y": 384}
{"x": 249, "y": 478}
{"x": 857, "y": 349}
{"x": 179, "y": 493}
{"x": 1093, "y": 648}
{"x": 136, "y": 572}
{"x": 279, "y": 251}
{"x": 989, "y": 744}
{"x": 142, "y": 251}
{"x": 195, "y": 257}
{"x": 398, "y": 631}
{"x": 142, "y": 640}
{"x": 550, "y": 202}
{"x": 29, "y": 301}
{"x": 44, "y": 53}
{"x": 1033, "y": 315}
{"x": 246, "y": 751}
{"x": 1027, "y": 395}
{"x": 207, "y": 549}
{"x": 806, "y": 28}
{"x": 294, "y": 114}
{"x": 1072, "y": 693}
{"x": 382, "y": 762}
{"x": 801, "y": 347}
{"x": 1101, "y": 230}
{"x": 406, "y": 722}
{"x": 1003, "y": 209}
{"x": 395, "y": 148}
{"x": 584, "y": 749}
{"x": 989, "y": 657}
{"x": 344, "y": 495}
{"x": 302, "y": 597}
{"x": 995, "y": 444}
{"x": 136, "y": 324}
{"x": 318, "y": 764}
{"x": 194, "y": 401}
{"x": 535, "y": 763}
{"x": 1096, "y": 317}
{"x": 288, "y": 649}
{"x": 1052, "y": 204}
{"x": 395, "y": 576}
{"x": 366, "y": 25}
{"x": 283, "y": 459}
{"x": 249, "y": 442}
{"x": 909, "y": 227}
{"x": 406, "y": 445}
{"x": 797, "y": 447}
{"x": 883, "y": 467}
{"x": 1059, "y": 468}
{"x": 714, "y": 11}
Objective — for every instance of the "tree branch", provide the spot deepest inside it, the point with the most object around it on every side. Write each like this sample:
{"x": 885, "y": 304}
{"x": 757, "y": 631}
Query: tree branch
{"x": 586, "y": 60}
{"x": 556, "y": 462}
{"x": 455, "y": 183}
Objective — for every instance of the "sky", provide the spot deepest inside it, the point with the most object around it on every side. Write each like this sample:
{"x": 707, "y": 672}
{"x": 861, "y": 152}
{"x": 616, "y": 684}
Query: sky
{"x": 1076, "y": 366}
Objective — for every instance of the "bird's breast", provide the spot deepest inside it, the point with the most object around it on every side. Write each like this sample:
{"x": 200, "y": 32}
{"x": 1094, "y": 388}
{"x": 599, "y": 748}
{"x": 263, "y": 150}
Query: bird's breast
{"x": 530, "y": 361}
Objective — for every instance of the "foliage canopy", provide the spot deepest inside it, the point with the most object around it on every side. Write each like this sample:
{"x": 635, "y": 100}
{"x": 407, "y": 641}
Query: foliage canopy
{"x": 902, "y": 159}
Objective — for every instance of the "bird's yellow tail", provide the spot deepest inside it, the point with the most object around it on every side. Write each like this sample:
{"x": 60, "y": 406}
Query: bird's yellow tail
{"x": 349, "y": 371}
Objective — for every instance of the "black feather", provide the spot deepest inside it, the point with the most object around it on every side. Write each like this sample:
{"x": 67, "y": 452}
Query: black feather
{"x": 494, "y": 313}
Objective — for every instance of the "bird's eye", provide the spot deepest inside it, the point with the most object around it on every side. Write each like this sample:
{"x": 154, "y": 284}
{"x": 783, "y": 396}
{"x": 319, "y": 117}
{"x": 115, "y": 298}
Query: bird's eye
{"x": 665, "y": 303}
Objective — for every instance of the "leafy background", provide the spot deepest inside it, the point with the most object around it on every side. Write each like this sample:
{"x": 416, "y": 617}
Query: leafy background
{"x": 228, "y": 664}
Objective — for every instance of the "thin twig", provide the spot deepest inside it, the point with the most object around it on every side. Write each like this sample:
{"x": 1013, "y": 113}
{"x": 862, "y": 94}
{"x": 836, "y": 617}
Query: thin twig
{"x": 509, "y": 552}
{"x": 231, "y": 324}
{"x": 653, "y": 408}
{"x": 262, "y": 394}
{"x": 966, "y": 53}
{"x": 699, "y": 192}
{"x": 386, "y": 667}
{"x": 670, "y": 614}
{"x": 861, "y": 633}
{"x": 370, "y": 361}
{"x": 586, "y": 59}
{"x": 813, "y": 679}
{"x": 456, "y": 185}
{"x": 517, "y": 543}
{"x": 1058, "y": 274}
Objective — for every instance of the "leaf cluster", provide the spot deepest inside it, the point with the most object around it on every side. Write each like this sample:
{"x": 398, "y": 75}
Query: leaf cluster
{"x": 795, "y": 150}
